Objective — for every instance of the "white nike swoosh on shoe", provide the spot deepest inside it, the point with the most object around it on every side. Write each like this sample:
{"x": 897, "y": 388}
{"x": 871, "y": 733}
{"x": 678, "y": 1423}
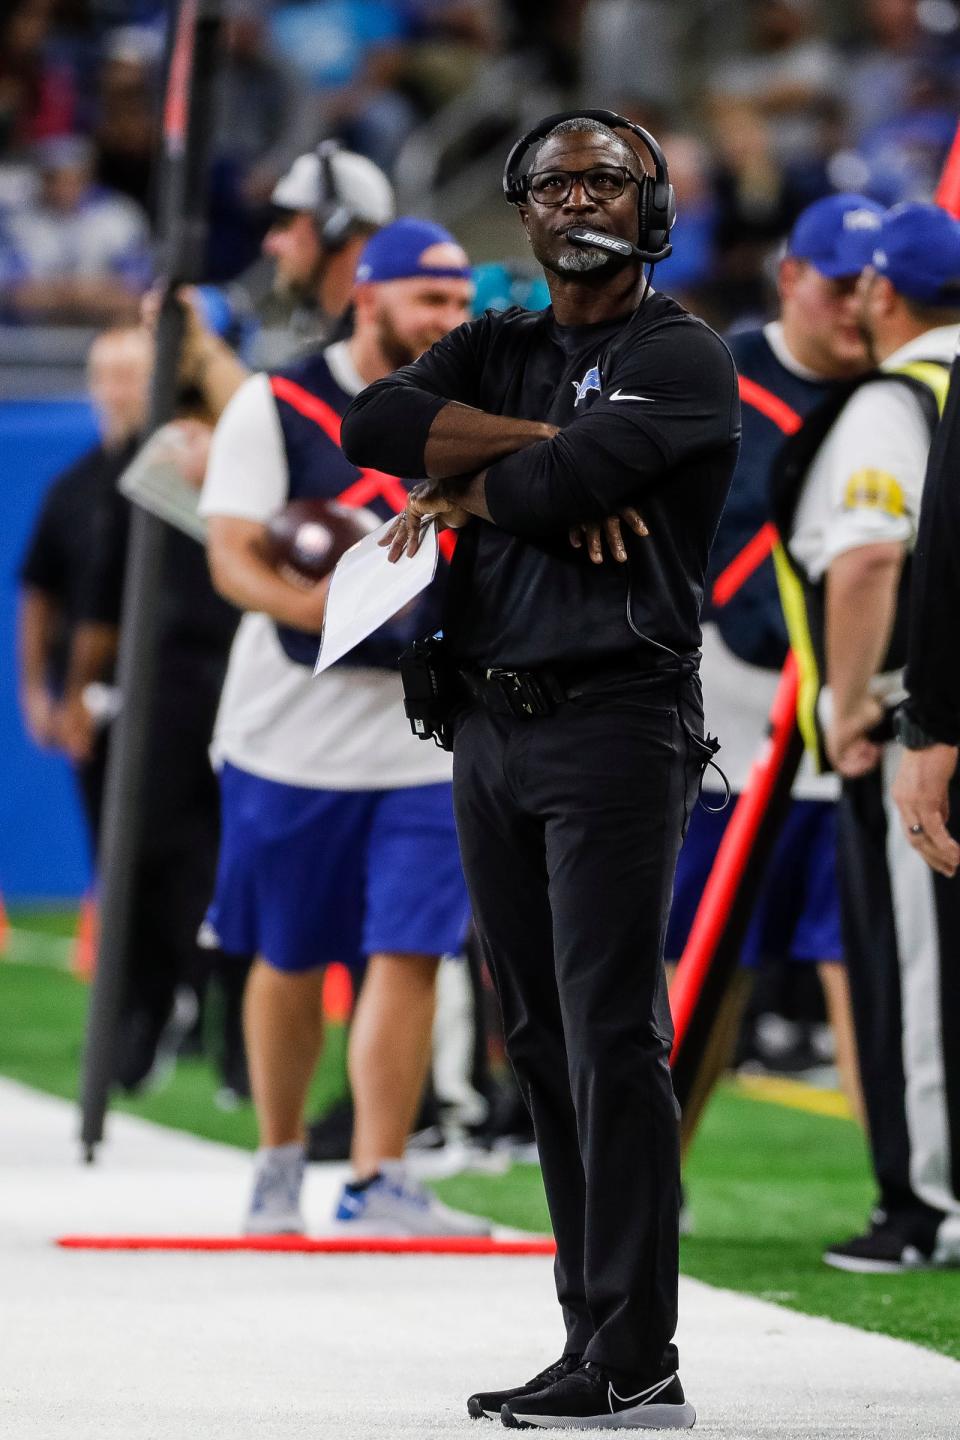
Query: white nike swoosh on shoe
{"x": 619, "y": 395}
{"x": 642, "y": 1397}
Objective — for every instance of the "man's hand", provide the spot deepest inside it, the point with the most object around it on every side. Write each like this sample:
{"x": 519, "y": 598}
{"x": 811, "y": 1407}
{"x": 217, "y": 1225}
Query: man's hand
{"x": 920, "y": 793}
{"x": 77, "y": 729}
{"x": 851, "y": 753}
{"x": 185, "y": 444}
{"x": 426, "y": 501}
{"x": 592, "y": 536}
{"x": 206, "y": 360}
{"x": 40, "y": 716}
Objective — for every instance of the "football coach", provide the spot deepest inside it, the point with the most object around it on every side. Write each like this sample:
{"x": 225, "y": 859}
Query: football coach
{"x": 578, "y": 732}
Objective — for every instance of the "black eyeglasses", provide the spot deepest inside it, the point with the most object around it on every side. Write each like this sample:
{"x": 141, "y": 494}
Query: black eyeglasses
{"x": 601, "y": 182}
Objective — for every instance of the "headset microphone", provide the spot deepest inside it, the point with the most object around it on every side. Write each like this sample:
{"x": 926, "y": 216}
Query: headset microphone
{"x": 612, "y": 244}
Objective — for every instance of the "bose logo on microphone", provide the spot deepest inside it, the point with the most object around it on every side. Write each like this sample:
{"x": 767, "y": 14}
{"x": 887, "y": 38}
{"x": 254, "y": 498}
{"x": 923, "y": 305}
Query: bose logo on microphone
{"x": 604, "y": 241}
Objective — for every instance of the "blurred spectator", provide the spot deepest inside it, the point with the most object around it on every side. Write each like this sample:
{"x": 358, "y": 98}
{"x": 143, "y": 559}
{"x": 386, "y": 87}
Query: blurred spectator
{"x": 879, "y": 74}
{"x": 548, "y": 37}
{"x": 632, "y": 47}
{"x": 381, "y": 67}
{"x": 904, "y": 156}
{"x": 757, "y": 201}
{"x": 78, "y": 254}
{"x": 329, "y": 40}
{"x": 54, "y": 571}
{"x": 691, "y": 264}
{"x": 264, "y": 115}
{"x": 901, "y": 102}
{"x": 37, "y": 92}
{"x": 126, "y": 124}
{"x": 792, "y": 77}
{"x": 333, "y": 42}
{"x": 407, "y": 82}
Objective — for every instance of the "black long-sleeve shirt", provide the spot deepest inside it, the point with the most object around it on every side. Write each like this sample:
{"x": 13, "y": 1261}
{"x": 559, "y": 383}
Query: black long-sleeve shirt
{"x": 649, "y": 415}
{"x": 933, "y": 669}
{"x": 64, "y": 542}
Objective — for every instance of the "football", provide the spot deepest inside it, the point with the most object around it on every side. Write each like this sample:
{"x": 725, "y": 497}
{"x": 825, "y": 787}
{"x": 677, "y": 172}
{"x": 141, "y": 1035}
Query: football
{"x": 308, "y": 537}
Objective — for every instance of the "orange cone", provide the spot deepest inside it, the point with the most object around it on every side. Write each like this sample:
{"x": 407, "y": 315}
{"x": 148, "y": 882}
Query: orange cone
{"x": 83, "y": 961}
{"x": 337, "y": 994}
{"x": 4, "y": 928}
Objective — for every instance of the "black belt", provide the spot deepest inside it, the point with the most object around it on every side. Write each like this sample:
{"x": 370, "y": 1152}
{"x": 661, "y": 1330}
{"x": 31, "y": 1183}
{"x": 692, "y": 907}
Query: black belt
{"x": 526, "y": 694}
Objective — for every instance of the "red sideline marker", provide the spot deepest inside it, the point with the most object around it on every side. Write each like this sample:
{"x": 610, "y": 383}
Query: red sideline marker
{"x": 323, "y": 1245}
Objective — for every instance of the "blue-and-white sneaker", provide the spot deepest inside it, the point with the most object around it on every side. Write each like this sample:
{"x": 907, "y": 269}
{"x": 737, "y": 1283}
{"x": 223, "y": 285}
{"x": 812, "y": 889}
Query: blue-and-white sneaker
{"x": 277, "y": 1182}
{"x": 393, "y": 1203}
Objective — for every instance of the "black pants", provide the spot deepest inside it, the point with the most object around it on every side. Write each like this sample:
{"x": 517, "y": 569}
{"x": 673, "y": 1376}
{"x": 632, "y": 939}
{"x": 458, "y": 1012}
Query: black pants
{"x": 569, "y": 828}
{"x": 901, "y": 931}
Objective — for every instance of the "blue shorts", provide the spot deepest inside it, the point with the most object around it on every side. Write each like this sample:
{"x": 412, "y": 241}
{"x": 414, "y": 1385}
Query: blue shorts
{"x": 797, "y": 914}
{"x": 307, "y": 877}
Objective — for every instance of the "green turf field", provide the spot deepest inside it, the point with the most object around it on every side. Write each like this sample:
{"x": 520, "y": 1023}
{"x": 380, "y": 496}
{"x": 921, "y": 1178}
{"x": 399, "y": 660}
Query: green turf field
{"x": 768, "y": 1186}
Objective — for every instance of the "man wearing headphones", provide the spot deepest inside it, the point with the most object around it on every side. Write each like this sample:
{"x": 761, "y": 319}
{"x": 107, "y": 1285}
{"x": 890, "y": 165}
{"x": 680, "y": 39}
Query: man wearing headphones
{"x": 578, "y": 728}
{"x": 325, "y": 209}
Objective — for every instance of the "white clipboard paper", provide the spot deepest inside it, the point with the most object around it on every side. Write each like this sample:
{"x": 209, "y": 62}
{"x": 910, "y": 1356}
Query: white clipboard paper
{"x": 366, "y": 590}
{"x": 153, "y": 481}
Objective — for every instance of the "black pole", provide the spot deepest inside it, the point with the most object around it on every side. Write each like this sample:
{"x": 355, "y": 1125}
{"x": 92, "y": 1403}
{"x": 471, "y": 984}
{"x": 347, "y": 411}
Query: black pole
{"x": 726, "y": 984}
{"x": 181, "y": 230}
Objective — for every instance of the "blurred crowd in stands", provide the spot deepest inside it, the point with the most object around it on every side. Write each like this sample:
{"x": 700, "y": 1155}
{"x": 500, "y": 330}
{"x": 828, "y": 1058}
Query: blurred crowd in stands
{"x": 762, "y": 106}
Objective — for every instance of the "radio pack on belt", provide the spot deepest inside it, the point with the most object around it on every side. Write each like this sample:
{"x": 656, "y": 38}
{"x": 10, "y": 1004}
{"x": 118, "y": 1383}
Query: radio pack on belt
{"x": 432, "y": 692}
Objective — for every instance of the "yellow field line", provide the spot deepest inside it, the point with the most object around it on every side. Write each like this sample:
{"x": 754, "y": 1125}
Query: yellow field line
{"x": 794, "y": 1094}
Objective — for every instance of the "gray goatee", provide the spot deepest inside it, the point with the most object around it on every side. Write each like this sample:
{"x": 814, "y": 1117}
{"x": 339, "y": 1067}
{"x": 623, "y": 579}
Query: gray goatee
{"x": 578, "y": 260}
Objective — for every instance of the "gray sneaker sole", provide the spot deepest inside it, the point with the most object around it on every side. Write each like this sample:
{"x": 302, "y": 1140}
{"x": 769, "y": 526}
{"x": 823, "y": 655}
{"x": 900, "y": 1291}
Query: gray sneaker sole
{"x": 857, "y": 1265}
{"x": 638, "y": 1417}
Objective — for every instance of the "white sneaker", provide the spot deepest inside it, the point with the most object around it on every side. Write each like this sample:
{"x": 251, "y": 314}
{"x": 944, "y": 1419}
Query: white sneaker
{"x": 396, "y": 1204}
{"x": 277, "y": 1182}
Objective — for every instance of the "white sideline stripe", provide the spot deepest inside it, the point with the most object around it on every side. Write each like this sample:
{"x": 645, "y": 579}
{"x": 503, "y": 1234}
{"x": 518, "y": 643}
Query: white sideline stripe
{"x": 277, "y": 1347}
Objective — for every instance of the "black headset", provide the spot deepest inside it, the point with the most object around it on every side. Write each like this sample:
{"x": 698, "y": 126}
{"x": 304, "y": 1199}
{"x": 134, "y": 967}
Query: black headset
{"x": 335, "y": 220}
{"x": 657, "y": 206}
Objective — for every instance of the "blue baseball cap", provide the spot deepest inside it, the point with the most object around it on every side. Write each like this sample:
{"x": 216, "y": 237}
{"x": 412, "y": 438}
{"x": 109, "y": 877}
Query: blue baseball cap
{"x": 402, "y": 251}
{"x": 918, "y": 249}
{"x": 836, "y": 234}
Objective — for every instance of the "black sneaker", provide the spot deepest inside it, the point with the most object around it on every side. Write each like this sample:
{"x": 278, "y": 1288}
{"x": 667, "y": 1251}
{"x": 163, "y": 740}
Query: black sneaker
{"x": 590, "y": 1400}
{"x": 489, "y": 1403}
{"x": 881, "y": 1251}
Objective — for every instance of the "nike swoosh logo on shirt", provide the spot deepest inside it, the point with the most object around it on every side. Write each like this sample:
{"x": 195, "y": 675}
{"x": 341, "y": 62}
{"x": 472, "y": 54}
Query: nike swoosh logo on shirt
{"x": 619, "y": 395}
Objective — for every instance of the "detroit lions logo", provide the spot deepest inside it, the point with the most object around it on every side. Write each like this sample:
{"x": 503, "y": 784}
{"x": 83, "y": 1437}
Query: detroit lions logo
{"x": 590, "y": 381}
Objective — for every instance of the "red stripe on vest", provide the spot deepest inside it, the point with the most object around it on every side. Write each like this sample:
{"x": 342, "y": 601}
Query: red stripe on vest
{"x": 783, "y": 415}
{"x": 756, "y": 550}
{"x": 743, "y": 564}
{"x": 372, "y": 483}
{"x": 312, "y": 406}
